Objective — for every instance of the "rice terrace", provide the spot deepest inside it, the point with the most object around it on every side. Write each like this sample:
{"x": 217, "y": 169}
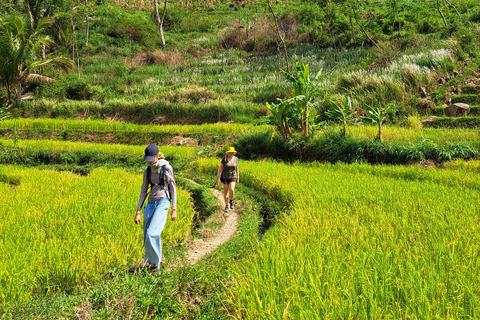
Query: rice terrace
{"x": 356, "y": 125}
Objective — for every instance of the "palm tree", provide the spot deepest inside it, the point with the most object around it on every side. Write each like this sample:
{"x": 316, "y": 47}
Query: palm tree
{"x": 20, "y": 54}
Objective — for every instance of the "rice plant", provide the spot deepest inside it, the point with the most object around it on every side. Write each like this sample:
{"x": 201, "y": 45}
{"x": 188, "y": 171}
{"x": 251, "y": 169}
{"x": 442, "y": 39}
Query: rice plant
{"x": 361, "y": 242}
{"x": 61, "y": 231}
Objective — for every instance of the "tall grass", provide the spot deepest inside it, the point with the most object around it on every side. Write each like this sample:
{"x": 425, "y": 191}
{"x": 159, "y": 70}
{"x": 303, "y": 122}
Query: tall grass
{"x": 361, "y": 245}
{"x": 118, "y": 149}
{"x": 61, "y": 231}
{"x": 112, "y": 126}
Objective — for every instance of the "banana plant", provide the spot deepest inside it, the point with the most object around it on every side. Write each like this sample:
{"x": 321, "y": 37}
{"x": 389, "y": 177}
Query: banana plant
{"x": 343, "y": 114}
{"x": 376, "y": 116}
{"x": 3, "y": 112}
{"x": 279, "y": 118}
{"x": 304, "y": 91}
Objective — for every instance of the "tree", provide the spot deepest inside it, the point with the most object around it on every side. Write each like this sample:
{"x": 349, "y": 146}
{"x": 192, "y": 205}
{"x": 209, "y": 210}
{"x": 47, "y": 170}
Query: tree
{"x": 343, "y": 114}
{"x": 160, "y": 20}
{"x": 304, "y": 90}
{"x": 282, "y": 38}
{"x": 20, "y": 53}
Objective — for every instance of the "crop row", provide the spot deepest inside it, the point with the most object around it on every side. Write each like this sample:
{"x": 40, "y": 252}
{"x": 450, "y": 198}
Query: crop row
{"x": 110, "y": 126}
{"x": 389, "y": 133}
{"x": 112, "y": 149}
{"x": 60, "y": 231}
{"x": 362, "y": 242}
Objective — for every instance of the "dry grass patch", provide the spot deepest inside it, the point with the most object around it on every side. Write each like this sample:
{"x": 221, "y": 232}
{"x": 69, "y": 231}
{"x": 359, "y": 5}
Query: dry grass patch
{"x": 158, "y": 57}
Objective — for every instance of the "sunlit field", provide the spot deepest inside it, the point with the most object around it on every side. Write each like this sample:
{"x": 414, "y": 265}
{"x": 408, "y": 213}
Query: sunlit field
{"x": 362, "y": 243}
{"x": 61, "y": 231}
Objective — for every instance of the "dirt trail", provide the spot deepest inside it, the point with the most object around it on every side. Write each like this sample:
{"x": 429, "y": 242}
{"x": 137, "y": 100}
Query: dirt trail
{"x": 212, "y": 239}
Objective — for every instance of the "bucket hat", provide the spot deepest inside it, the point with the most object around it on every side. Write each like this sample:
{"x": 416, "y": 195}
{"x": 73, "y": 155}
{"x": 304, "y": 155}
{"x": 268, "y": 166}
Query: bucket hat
{"x": 231, "y": 149}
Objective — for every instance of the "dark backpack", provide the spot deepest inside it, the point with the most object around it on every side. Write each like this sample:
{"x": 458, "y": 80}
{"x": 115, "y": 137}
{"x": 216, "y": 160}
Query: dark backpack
{"x": 161, "y": 182}
{"x": 162, "y": 177}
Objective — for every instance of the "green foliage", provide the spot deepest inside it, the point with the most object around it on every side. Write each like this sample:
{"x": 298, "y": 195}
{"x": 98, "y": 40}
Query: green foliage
{"x": 3, "y": 112}
{"x": 455, "y": 123}
{"x": 343, "y": 114}
{"x": 280, "y": 115}
{"x": 378, "y": 116}
{"x": 20, "y": 53}
{"x": 332, "y": 146}
{"x": 305, "y": 90}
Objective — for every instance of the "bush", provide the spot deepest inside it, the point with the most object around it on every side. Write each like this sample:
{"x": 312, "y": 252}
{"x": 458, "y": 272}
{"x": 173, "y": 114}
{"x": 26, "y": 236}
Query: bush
{"x": 333, "y": 147}
{"x": 467, "y": 98}
{"x": 456, "y": 123}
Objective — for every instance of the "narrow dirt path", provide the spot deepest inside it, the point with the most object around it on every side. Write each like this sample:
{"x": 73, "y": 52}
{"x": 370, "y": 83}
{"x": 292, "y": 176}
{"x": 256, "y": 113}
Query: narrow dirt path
{"x": 213, "y": 238}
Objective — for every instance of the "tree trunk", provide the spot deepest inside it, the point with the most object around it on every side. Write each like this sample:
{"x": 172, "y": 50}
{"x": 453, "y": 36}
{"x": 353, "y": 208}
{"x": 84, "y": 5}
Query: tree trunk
{"x": 9, "y": 94}
{"x": 160, "y": 20}
{"x": 363, "y": 29}
{"x": 44, "y": 55}
{"x": 73, "y": 38}
{"x": 280, "y": 36}
{"x": 305, "y": 125}
{"x": 353, "y": 30}
{"x": 314, "y": 24}
{"x": 288, "y": 128}
{"x": 393, "y": 19}
{"x": 88, "y": 25}
{"x": 458, "y": 14}
{"x": 19, "y": 93}
{"x": 398, "y": 19}
{"x": 439, "y": 11}
{"x": 379, "y": 136}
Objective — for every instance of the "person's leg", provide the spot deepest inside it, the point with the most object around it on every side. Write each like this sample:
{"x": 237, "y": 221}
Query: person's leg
{"x": 154, "y": 220}
{"x": 225, "y": 195}
{"x": 231, "y": 191}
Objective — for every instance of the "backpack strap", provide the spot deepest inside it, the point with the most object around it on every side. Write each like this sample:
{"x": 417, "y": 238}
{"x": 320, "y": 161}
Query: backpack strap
{"x": 161, "y": 183}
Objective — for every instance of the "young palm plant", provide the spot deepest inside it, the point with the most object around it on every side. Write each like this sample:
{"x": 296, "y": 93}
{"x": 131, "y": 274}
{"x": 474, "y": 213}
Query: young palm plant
{"x": 20, "y": 53}
{"x": 376, "y": 116}
{"x": 304, "y": 92}
{"x": 279, "y": 118}
{"x": 343, "y": 114}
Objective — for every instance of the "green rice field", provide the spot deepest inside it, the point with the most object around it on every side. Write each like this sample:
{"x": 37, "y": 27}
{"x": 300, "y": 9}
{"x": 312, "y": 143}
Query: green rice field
{"x": 362, "y": 242}
{"x": 61, "y": 231}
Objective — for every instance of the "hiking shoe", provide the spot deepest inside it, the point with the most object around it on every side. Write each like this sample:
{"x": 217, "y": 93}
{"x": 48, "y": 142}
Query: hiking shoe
{"x": 231, "y": 204}
{"x": 226, "y": 208}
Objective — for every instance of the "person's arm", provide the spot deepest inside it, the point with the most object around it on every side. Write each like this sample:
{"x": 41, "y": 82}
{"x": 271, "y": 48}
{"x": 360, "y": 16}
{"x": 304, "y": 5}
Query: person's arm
{"x": 237, "y": 172}
{"x": 172, "y": 187}
{"x": 219, "y": 173}
{"x": 143, "y": 193}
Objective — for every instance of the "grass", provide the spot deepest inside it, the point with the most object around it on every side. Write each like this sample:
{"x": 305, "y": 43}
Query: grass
{"x": 358, "y": 244}
{"x": 73, "y": 231}
{"x": 112, "y": 126}
{"x": 190, "y": 292}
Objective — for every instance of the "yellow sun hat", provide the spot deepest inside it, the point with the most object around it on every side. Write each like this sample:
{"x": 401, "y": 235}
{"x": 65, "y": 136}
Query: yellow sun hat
{"x": 231, "y": 149}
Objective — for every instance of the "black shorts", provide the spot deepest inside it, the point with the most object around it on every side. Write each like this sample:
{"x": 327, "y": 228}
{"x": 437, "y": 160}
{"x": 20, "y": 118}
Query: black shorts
{"x": 228, "y": 181}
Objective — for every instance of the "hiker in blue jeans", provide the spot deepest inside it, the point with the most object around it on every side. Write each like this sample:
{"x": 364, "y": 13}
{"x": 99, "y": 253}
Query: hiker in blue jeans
{"x": 159, "y": 176}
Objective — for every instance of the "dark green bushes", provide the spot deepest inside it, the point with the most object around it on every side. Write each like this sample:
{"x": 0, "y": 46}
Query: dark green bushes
{"x": 333, "y": 147}
{"x": 455, "y": 123}
{"x": 467, "y": 98}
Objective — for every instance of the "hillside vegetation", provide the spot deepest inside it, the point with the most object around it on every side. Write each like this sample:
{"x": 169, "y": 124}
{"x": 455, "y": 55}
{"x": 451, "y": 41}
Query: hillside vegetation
{"x": 358, "y": 190}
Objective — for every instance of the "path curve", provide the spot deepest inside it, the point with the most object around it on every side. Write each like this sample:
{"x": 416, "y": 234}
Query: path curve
{"x": 199, "y": 248}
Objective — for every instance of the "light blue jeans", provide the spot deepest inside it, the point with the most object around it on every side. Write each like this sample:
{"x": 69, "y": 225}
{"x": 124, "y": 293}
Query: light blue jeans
{"x": 154, "y": 219}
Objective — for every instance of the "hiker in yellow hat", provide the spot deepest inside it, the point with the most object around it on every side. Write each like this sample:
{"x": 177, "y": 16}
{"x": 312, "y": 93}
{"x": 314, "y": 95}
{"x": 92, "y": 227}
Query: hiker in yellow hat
{"x": 228, "y": 175}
